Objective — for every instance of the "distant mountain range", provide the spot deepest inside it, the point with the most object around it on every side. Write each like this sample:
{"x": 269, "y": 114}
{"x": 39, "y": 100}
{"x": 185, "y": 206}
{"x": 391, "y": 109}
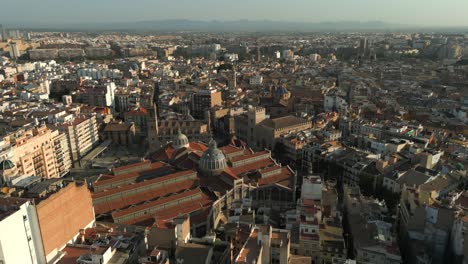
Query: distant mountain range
{"x": 236, "y": 25}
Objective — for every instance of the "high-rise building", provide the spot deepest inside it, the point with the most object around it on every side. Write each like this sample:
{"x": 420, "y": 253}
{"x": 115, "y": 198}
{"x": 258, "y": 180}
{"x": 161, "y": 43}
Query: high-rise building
{"x": 364, "y": 45}
{"x": 14, "y": 33}
{"x": 14, "y": 50}
{"x": 36, "y": 231}
{"x": 203, "y": 100}
{"x": 34, "y": 153}
{"x": 287, "y": 54}
{"x": 99, "y": 95}
{"x": 62, "y": 153}
{"x": 3, "y": 32}
{"x": 20, "y": 236}
{"x": 82, "y": 135}
{"x": 277, "y": 54}
{"x": 27, "y": 35}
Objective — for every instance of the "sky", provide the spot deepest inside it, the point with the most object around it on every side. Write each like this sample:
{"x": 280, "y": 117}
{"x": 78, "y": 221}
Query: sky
{"x": 407, "y": 12}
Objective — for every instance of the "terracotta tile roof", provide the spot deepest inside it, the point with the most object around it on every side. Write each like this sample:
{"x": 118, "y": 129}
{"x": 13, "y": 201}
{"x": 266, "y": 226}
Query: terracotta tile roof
{"x": 164, "y": 154}
{"x": 249, "y": 156}
{"x": 104, "y": 177}
{"x": 285, "y": 178}
{"x": 269, "y": 169}
{"x": 215, "y": 184}
{"x": 117, "y": 127}
{"x": 230, "y": 149}
{"x": 139, "y": 164}
{"x": 198, "y": 146}
{"x": 284, "y": 122}
{"x": 229, "y": 173}
{"x": 169, "y": 212}
{"x": 74, "y": 252}
{"x": 141, "y": 184}
{"x": 168, "y": 152}
{"x": 123, "y": 202}
{"x": 199, "y": 209}
{"x": 161, "y": 201}
{"x": 252, "y": 166}
{"x": 111, "y": 180}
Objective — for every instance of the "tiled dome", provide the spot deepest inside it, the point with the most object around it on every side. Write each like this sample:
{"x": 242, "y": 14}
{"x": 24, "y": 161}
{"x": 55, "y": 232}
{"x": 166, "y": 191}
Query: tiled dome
{"x": 180, "y": 141}
{"x": 6, "y": 165}
{"x": 212, "y": 161}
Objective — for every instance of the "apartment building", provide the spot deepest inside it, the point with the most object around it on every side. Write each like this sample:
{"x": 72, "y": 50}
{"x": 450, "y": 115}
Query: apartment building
{"x": 34, "y": 153}
{"x": 38, "y": 232}
{"x": 82, "y": 135}
{"x": 62, "y": 153}
{"x": 20, "y": 238}
{"x": 203, "y": 100}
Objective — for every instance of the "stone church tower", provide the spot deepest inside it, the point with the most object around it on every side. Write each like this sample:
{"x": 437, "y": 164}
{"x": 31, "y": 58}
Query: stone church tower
{"x": 153, "y": 130}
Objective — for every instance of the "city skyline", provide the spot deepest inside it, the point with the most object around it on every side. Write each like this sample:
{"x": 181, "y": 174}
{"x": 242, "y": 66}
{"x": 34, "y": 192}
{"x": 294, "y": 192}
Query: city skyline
{"x": 234, "y": 132}
{"x": 403, "y": 13}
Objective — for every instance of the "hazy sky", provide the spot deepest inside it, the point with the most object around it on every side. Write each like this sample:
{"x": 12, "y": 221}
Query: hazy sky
{"x": 414, "y": 12}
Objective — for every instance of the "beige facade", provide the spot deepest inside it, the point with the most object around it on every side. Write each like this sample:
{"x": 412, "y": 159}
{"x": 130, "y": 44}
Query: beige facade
{"x": 39, "y": 151}
{"x": 261, "y": 132}
{"x": 245, "y": 124}
{"x": 82, "y": 135}
{"x": 270, "y": 130}
{"x": 62, "y": 153}
{"x": 34, "y": 153}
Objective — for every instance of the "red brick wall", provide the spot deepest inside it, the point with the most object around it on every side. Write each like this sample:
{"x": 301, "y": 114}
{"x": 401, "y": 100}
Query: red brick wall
{"x": 63, "y": 214}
